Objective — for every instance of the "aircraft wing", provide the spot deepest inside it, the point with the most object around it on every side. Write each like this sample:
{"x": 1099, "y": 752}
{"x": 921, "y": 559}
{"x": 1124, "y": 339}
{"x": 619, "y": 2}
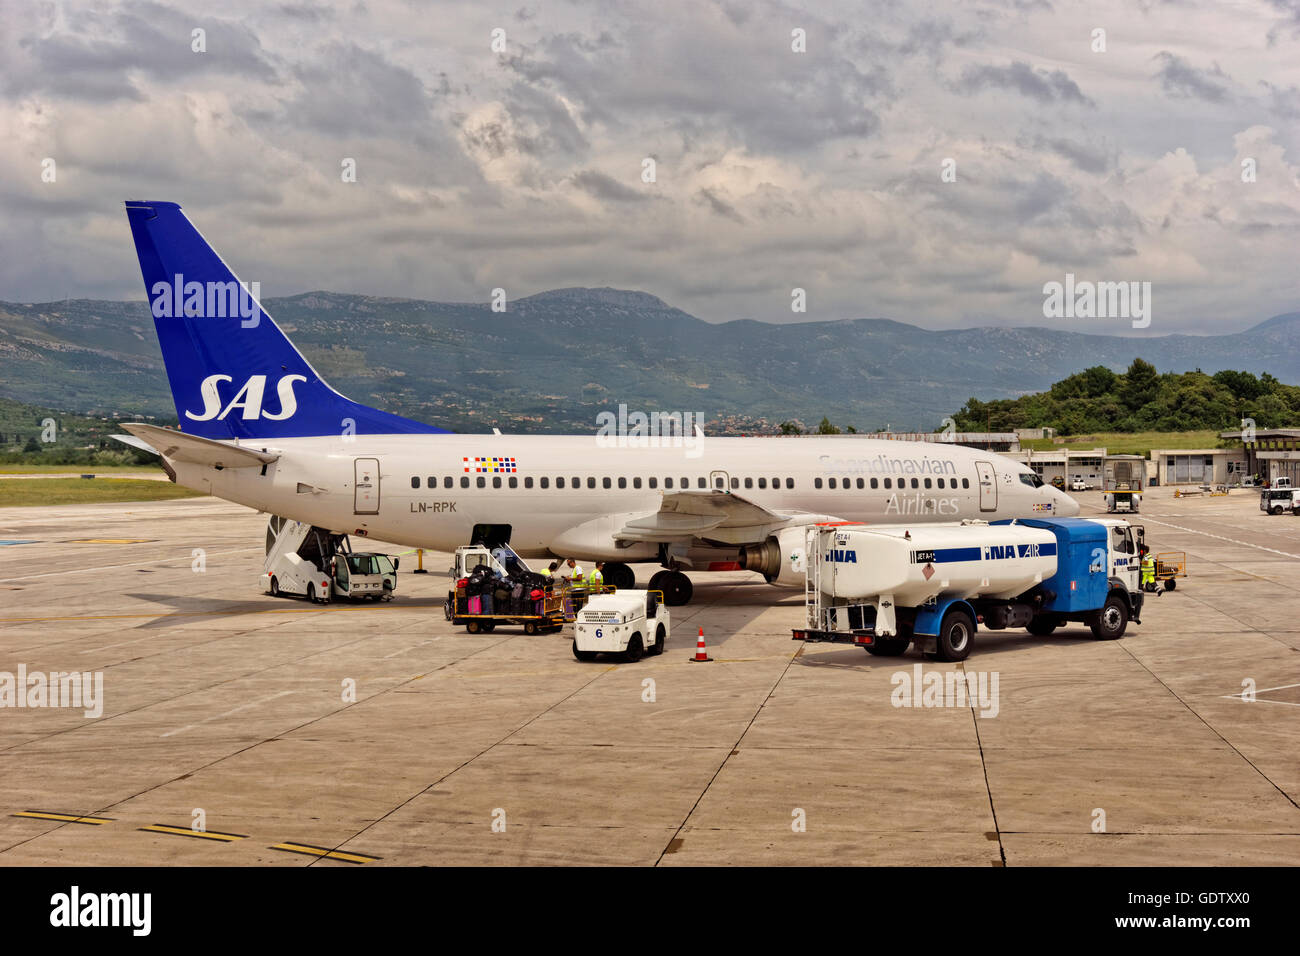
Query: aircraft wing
{"x": 715, "y": 516}
{"x": 177, "y": 446}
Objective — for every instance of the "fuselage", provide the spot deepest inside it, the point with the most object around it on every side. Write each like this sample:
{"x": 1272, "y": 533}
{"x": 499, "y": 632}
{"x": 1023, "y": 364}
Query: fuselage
{"x": 570, "y": 495}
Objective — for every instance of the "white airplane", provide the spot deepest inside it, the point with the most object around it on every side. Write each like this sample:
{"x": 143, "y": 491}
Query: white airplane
{"x": 261, "y": 428}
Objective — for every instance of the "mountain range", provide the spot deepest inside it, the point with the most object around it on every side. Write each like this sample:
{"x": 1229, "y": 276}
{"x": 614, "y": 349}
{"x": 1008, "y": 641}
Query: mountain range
{"x": 553, "y": 361}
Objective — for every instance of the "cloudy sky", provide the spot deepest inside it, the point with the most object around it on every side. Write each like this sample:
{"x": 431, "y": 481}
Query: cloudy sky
{"x": 774, "y": 169}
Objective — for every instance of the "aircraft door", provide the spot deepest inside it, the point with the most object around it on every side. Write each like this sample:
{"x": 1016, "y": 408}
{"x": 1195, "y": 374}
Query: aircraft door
{"x": 366, "y": 489}
{"x": 718, "y": 480}
{"x": 988, "y": 486}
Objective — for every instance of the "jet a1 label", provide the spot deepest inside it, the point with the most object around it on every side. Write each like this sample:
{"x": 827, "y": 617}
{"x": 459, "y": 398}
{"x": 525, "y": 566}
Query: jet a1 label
{"x": 248, "y": 399}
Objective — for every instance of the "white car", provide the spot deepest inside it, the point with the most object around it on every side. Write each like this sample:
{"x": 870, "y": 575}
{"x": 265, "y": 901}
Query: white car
{"x": 1080, "y": 485}
{"x": 628, "y": 622}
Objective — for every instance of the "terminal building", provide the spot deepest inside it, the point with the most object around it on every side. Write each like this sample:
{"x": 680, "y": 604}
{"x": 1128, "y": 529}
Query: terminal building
{"x": 1270, "y": 453}
{"x": 1063, "y": 463}
{"x": 989, "y": 441}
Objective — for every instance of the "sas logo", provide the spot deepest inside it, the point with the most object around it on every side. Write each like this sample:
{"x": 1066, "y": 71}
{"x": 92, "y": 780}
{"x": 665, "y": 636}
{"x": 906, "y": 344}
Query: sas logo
{"x": 1043, "y": 506}
{"x": 997, "y": 552}
{"x": 842, "y": 555}
{"x": 248, "y": 399}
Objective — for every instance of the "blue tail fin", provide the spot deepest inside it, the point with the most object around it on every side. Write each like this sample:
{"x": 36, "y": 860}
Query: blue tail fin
{"x": 233, "y": 373}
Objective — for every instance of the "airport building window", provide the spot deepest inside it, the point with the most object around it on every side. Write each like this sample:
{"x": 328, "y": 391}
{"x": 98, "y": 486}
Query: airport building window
{"x": 817, "y": 482}
{"x": 446, "y": 482}
{"x": 464, "y": 481}
{"x": 545, "y": 482}
{"x": 528, "y": 482}
{"x": 875, "y": 483}
{"x": 415, "y": 482}
{"x": 622, "y": 482}
{"x": 513, "y": 481}
{"x": 481, "y": 481}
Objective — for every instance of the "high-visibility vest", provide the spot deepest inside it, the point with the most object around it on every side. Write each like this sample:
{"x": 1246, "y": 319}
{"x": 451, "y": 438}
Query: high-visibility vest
{"x": 595, "y": 579}
{"x": 1148, "y": 571}
{"x": 576, "y": 574}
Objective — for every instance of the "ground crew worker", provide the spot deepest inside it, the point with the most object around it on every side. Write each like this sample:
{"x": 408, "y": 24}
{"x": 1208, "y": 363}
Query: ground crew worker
{"x": 595, "y": 580}
{"x": 554, "y": 566}
{"x": 1148, "y": 573}
{"x": 573, "y": 571}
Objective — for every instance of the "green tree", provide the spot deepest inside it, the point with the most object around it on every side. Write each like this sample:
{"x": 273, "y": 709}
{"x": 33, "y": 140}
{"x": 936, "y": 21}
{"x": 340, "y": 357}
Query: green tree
{"x": 826, "y": 428}
{"x": 1141, "y": 385}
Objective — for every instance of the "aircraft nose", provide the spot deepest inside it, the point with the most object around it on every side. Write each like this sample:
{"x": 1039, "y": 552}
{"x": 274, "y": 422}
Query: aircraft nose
{"x": 1066, "y": 507}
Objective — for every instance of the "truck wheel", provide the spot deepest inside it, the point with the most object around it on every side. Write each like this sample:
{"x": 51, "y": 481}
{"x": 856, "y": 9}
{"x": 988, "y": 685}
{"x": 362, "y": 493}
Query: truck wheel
{"x": 311, "y": 593}
{"x": 889, "y": 646}
{"x": 635, "y": 649}
{"x": 677, "y": 589}
{"x": 1111, "y": 621}
{"x": 1041, "y": 626}
{"x": 473, "y": 627}
{"x": 956, "y": 636}
{"x": 488, "y": 626}
{"x": 661, "y": 638}
{"x": 446, "y": 610}
{"x": 530, "y": 627}
{"x": 275, "y": 586}
{"x": 582, "y": 655}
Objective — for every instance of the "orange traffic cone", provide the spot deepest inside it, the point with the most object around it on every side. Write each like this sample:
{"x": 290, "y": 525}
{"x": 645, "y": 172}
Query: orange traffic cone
{"x": 701, "y": 655}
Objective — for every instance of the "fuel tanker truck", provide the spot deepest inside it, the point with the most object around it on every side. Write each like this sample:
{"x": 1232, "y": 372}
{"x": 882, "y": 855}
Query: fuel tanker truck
{"x": 885, "y": 587}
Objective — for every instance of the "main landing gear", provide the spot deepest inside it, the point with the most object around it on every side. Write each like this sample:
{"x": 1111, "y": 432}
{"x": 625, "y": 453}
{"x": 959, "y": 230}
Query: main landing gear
{"x": 619, "y": 575}
{"x": 676, "y": 587}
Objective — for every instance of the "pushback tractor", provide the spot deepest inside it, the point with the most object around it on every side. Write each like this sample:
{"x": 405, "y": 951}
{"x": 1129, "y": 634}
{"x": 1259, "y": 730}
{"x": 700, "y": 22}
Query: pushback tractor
{"x": 885, "y": 588}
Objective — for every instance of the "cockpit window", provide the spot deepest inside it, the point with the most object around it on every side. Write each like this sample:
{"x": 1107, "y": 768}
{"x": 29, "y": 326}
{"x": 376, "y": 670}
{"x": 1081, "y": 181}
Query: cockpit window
{"x": 1031, "y": 479}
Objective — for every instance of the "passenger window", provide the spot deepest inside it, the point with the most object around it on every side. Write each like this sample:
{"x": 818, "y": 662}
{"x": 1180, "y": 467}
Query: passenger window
{"x": 830, "y": 482}
{"x": 939, "y": 481}
{"x": 528, "y": 482}
{"x": 817, "y": 482}
{"x": 481, "y": 481}
{"x": 762, "y": 483}
{"x": 464, "y": 481}
{"x": 735, "y": 483}
{"x": 604, "y": 483}
{"x": 577, "y": 482}
{"x": 545, "y": 482}
{"x": 415, "y": 482}
{"x": 513, "y": 481}
{"x": 965, "y": 482}
{"x": 668, "y": 482}
{"x": 927, "y": 482}
{"x": 559, "y": 482}
{"x": 636, "y": 482}
{"x": 789, "y": 482}
{"x": 749, "y": 483}
{"x": 776, "y": 484}
{"x": 622, "y": 482}
{"x": 861, "y": 484}
{"x": 496, "y": 481}
{"x": 914, "y": 483}
{"x": 446, "y": 482}
{"x": 875, "y": 483}
{"x": 701, "y": 483}
{"x": 889, "y": 482}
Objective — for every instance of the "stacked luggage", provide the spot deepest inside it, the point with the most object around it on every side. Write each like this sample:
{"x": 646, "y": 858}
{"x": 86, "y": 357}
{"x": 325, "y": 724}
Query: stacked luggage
{"x": 485, "y": 591}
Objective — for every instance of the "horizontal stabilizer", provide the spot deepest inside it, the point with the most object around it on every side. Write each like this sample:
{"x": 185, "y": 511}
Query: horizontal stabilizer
{"x": 177, "y": 446}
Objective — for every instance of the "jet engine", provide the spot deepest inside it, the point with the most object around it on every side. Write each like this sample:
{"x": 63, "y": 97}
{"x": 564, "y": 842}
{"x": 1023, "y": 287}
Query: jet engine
{"x": 781, "y": 559}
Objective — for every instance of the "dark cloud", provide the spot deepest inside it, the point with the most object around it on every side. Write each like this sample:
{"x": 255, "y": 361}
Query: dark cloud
{"x": 607, "y": 187}
{"x": 1045, "y": 86}
{"x": 1087, "y": 156}
{"x": 711, "y": 198}
{"x": 94, "y": 54}
{"x": 347, "y": 91}
{"x": 1181, "y": 80}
